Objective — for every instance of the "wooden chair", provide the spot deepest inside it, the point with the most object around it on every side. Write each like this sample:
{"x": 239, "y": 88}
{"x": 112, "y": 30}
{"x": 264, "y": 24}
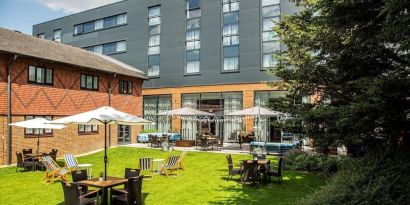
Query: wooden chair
{"x": 147, "y": 164}
{"x": 73, "y": 196}
{"x": 53, "y": 171}
{"x": 232, "y": 171}
{"x": 276, "y": 173}
{"x": 181, "y": 158}
{"x": 171, "y": 165}
{"x": 133, "y": 195}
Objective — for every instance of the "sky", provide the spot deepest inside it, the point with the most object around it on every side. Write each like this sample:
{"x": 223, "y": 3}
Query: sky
{"x": 21, "y": 15}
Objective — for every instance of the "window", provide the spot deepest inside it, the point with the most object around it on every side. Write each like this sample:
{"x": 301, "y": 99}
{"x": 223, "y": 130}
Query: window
{"x": 31, "y": 131}
{"x": 125, "y": 87}
{"x": 38, "y": 75}
{"x": 99, "y": 24}
{"x": 87, "y": 129}
{"x": 230, "y": 5}
{"x": 154, "y": 40}
{"x": 230, "y": 37}
{"x": 109, "y": 48}
{"x": 89, "y": 82}
{"x": 192, "y": 38}
{"x": 41, "y": 35}
{"x": 270, "y": 39}
{"x": 57, "y": 35}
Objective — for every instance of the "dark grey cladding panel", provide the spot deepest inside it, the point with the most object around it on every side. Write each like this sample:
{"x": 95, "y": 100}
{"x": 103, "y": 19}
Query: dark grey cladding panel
{"x": 173, "y": 39}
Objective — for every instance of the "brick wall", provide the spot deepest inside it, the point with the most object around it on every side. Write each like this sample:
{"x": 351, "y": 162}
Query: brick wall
{"x": 62, "y": 99}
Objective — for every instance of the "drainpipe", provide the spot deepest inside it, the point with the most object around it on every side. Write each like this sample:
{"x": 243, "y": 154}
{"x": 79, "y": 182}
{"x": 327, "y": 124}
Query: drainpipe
{"x": 109, "y": 104}
{"x": 8, "y": 68}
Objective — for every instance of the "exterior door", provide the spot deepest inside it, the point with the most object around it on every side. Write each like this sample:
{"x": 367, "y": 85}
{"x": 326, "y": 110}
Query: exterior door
{"x": 124, "y": 134}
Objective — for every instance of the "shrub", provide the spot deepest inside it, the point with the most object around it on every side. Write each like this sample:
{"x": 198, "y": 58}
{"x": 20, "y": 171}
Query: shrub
{"x": 375, "y": 179}
{"x": 149, "y": 131}
{"x": 302, "y": 161}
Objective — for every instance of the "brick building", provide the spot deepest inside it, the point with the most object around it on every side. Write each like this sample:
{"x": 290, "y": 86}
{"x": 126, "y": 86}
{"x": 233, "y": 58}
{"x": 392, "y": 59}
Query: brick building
{"x": 42, "y": 78}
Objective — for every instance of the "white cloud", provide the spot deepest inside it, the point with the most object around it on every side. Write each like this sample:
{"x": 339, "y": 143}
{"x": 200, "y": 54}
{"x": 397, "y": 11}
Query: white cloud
{"x": 74, "y": 6}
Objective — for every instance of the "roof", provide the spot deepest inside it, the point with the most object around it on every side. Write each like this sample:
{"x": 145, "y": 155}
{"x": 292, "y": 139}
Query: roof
{"x": 26, "y": 45}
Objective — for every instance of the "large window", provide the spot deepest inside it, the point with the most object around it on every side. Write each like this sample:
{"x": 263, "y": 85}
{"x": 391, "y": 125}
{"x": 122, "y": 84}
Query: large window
{"x": 99, "y": 24}
{"x": 230, "y": 35}
{"x": 270, "y": 39}
{"x": 87, "y": 129}
{"x": 38, "y": 75}
{"x": 192, "y": 39}
{"x": 153, "y": 105}
{"x": 125, "y": 87}
{"x": 154, "y": 40}
{"x": 31, "y": 131}
{"x": 109, "y": 48}
{"x": 89, "y": 82}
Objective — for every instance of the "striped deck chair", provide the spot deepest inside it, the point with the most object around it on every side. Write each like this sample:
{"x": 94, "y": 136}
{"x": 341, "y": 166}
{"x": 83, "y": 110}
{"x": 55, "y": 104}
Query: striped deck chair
{"x": 71, "y": 162}
{"x": 171, "y": 165}
{"x": 53, "y": 171}
{"x": 181, "y": 158}
{"x": 147, "y": 164}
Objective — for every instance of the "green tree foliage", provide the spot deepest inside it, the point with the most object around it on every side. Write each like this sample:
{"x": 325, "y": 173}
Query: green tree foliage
{"x": 354, "y": 57}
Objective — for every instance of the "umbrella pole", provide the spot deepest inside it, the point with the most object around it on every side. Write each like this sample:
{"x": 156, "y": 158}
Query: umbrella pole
{"x": 105, "y": 151}
{"x": 38, "y": 144}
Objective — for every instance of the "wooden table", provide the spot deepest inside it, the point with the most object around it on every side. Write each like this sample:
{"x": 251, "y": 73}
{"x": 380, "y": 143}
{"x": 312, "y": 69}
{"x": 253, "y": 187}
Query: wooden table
{"x": 104, "y": 185}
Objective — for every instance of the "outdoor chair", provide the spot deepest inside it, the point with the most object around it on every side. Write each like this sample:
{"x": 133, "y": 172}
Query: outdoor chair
{"x": 23, "y": 163}
{"x": 204, "y": 144}
{"x": 232, "y": 171}
{"x": 171, "y": 165}
{"x": 250, "y": 174}
{"x": 147, "y": 164}
{"x": 129, "y": 172}
{"x": 53, "y": 171}
{"x": 73, "y": 196}
{"x": 181, "y": 158}
{"x": 27, "y": 151}
{"x": 81, "y": 175}
{"x": 133, "y": 195}
{"x": 53, "y": 154}
{"x": 276, "y": 173}
{"x": 220, "y": 144}
{"x": 71, "y": 162}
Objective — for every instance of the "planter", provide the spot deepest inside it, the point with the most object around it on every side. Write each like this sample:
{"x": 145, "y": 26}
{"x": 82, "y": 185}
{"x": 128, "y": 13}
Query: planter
{"x": 185, "y": 143}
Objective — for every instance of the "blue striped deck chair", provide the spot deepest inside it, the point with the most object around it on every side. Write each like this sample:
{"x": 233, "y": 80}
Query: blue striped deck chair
{"x": 53, "y": 171}
{"x": 171, "y": 165}
{"x": 147, "y": 164}
{"x": 71, "y": 162}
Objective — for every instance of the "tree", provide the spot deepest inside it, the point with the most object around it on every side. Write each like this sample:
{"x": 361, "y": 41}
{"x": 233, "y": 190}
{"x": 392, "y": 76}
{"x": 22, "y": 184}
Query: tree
{"x": 353, "y": 56}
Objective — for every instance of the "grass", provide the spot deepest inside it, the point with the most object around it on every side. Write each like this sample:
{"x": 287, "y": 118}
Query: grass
{"x": 204, "y": 181}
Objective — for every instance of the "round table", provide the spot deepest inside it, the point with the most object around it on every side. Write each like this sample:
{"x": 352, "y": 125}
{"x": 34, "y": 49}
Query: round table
{"x": 158, "y": 165}
{"x": 89, "y": 168}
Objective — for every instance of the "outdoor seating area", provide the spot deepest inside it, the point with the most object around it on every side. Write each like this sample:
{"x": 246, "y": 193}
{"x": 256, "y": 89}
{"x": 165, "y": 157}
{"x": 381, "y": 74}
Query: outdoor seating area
{"x": 126, "y": 171}
{"x": 29, "y": 161}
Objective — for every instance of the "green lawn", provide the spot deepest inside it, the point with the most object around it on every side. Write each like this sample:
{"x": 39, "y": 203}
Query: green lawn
{"x": 204, "y": 181}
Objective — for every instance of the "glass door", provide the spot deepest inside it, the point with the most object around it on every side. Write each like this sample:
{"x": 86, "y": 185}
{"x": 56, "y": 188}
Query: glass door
{"x": 124, "y": 134}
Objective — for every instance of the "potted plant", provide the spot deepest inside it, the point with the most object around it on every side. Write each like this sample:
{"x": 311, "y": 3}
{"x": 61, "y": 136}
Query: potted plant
{"x": 101, "y": 178}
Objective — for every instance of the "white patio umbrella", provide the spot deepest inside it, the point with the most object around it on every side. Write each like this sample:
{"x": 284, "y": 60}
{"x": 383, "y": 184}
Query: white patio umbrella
{"x": 256, "y": 112}
{"x": 186, "y": 112}
{"x": 103, "y": 116}
{"x": 37, "y": 123}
